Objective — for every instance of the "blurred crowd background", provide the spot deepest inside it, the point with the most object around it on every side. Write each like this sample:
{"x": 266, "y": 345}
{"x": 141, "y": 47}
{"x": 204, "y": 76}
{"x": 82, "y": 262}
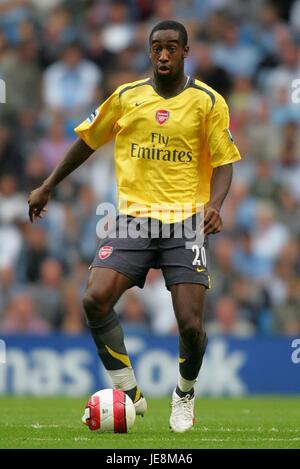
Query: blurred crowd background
{"x": 61, "y": 59}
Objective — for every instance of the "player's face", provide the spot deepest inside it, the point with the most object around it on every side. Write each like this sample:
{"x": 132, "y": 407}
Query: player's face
{"x": 167, "y": 53}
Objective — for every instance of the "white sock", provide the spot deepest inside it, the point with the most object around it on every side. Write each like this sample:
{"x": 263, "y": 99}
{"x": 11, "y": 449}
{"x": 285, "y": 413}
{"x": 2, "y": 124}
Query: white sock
{"x": 122, "y": 379}
{"x": 185, "y": 385}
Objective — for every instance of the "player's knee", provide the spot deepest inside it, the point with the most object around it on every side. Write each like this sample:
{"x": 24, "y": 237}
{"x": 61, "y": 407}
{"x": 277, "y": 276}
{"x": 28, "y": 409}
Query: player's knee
{"x": 96, "y": 303}
{"x": 191, "y": 329}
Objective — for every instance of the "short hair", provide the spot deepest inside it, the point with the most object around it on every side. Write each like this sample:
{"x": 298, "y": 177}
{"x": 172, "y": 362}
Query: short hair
{"x": 175, "y": 26}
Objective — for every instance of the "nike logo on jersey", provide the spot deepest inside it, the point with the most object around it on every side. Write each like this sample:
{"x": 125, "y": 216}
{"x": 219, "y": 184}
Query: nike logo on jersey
{"x": 230, "y": 136}
{"x": 200, "y": 270}
{"x": 93, "y": 116}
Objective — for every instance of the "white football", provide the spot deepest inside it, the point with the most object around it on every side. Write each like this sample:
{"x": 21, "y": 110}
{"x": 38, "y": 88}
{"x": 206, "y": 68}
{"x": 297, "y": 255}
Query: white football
{"x": 109, "y": 410}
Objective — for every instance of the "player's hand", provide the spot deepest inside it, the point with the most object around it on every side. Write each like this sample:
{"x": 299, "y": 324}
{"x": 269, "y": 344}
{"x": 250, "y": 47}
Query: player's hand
{"x": 37, "y": 202}
{"x": 212, "y": 221}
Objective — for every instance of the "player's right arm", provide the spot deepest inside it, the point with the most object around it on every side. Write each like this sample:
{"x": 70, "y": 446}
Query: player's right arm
{"x": 93, "y": 132}
{"x": 78, "y": 153}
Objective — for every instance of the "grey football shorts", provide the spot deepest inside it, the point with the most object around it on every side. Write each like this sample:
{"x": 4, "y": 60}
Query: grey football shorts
{"x": 133, "y": 257}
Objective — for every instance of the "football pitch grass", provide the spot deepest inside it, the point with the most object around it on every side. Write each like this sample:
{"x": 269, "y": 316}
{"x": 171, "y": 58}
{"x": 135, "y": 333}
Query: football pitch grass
{"x": 252, "y": 422}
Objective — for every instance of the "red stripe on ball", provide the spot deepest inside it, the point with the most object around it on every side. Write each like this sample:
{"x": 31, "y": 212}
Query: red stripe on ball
{"x": 119, "y": 399}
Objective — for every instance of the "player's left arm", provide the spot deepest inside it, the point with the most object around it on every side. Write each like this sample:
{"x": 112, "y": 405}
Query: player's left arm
{"x": 219, "y": 188}
{"x": 223, "y": 153}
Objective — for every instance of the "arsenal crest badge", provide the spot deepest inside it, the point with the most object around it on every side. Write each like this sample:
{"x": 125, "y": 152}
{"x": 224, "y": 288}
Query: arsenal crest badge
{"x": 105, "y": 252}
{"x": 162, "y": 116}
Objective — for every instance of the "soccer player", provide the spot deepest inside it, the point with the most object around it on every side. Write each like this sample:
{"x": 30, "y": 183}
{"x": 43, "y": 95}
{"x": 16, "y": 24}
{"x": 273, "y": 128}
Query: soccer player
{"x": 172, "y": 147}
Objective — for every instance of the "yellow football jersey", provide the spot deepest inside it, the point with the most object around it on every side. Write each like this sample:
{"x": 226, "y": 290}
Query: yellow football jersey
{"x": 165, "y": 149}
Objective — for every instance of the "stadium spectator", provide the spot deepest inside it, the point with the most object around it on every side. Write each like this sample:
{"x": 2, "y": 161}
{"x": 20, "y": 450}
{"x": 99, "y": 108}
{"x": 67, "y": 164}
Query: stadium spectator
{"x": 286, "y": 316}
{"x": 280, "y": 79}
{"x": 34, "y": 251}
{"x": 287, "y": 168}
{"x": 118, "y": 32}
{"x": 208, "y": 72}
{"x": 47, "y": 292}
{"x": 85, "y": 220}
{"x": 35, "y": 170}
{"x": 264, "y": 187}
{"x": 11, "y": 157}
{"x": 247, "y": 263}
{"x": 54, "y": 144}
{"x": 70, "y": 85}
{"x": 58, "y": 28}
{"x": 236, "y": 58}
{"x": 159, "y": 304}
{"x": 21, "y": 317}
{"x": 289, "y": 210}
{"x": 12, "y": 201}
{"x": 7, "y": 282}
{"x": 22, "y": 89}
{"x": 73, "y": 319}
{"x": 227, "y": 320}
{"x": 269, "y": 235}
{"x": 11, "y": 244}
{"x": 133, "y": 312}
